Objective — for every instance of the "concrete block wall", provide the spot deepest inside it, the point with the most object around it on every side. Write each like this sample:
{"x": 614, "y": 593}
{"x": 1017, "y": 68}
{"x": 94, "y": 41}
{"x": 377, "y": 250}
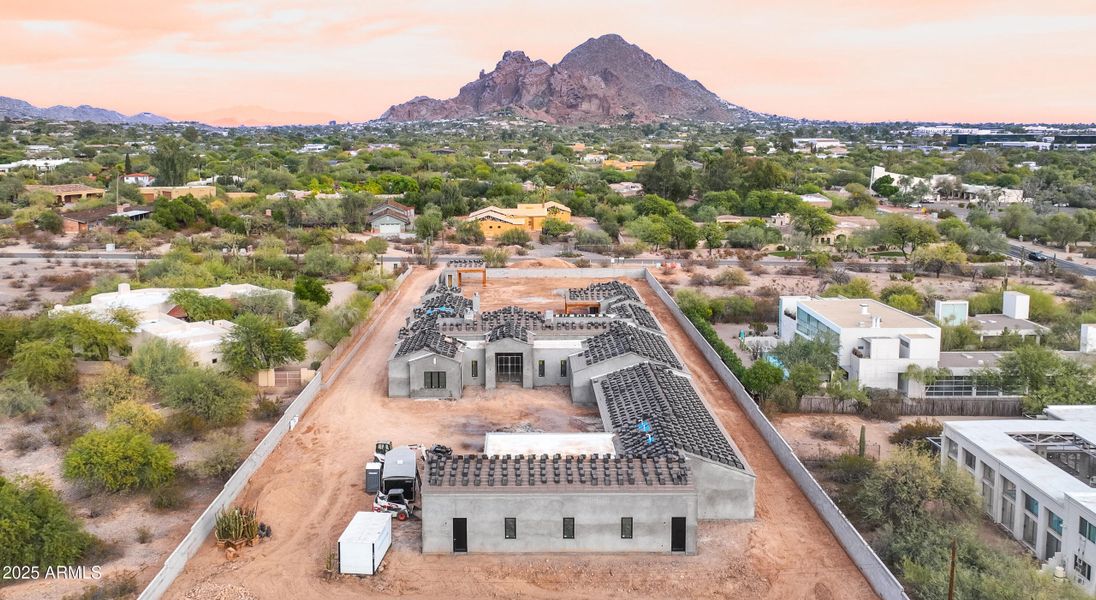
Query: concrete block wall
{"x": 878, "y": 575}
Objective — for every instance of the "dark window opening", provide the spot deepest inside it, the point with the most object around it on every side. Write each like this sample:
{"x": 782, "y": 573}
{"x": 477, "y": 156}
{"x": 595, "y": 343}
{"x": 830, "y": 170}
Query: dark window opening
{"x": 626, "y": 528}
{"x": 511, "y": 528}
{"x": 568, "y": 528}
{"x": 434, "y": 380}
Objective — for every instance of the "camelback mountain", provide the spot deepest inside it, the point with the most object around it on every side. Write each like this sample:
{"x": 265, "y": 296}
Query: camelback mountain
{"x": 604, "y": 80}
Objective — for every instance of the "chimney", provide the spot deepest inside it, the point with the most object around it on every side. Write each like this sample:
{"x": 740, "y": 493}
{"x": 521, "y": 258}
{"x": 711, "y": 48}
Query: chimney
{"x": 123, "y": 288}
{"x": 876, "y": 322}
{"x": 123, "y": 207}
{"x": 864, "y": 308}
{"x": 476, "y": 302}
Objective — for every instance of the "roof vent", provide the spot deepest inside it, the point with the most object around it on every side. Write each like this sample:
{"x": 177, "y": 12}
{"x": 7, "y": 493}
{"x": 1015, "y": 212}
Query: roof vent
{"x": 864, "y": 308}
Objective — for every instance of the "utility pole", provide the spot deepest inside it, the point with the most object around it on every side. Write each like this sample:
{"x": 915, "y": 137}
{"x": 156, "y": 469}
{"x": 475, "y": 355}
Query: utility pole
{"x": 951, "y": 574}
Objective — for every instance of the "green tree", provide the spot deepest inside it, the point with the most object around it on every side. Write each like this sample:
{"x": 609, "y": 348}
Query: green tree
{"x": 908, "y": 485}
{"x": 910, "y": 303}
{"x": 93, "y": 338}
{"x": 199, "y": 307}
{"x": 937, "y": 257}
{"x": 762, "y": 377}
{"x": 553, "y": 229}
{"x": 37, "y": 528}
{"x": 218, "y": 399}
{"x": 683, "y": 232}
{"x": 819, "y": 261}
{"x": 905, "y": 233}
{"x": 119, "y": 459}
{"x": 884, "y": 186}
{"x": 172, "y": 160}
{"x": 429, "y": 224}
{"x": 666, "y": 179}
{"x": 1063, "y": 229}
{"x": 257, "y": 343}
{"x": 157, "y": 360}
{"x": 650, "y": 230}
{"x": 712, "y": 234}
{"x": 45, "y": 365}
{"x": 857, "y": 287}
{"x": 49, "y": 221}
{"x": 376, "y": 246}
{"x": 311, "y": 289}
{"x": 805, "y": 379}
{"x": 820, "y": 352}
{"x": 812, "y": 221}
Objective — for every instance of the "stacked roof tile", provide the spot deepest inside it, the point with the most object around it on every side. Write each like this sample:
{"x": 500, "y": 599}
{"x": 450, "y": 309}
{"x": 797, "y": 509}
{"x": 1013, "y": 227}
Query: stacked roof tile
{"x": 451, "y": 304}
{"x": 656, "y": 412}
{"x": 602, "y": 291}
{"x": 466, "y": 263}
{"x": 508, "y": 329}
{"x": 622, "y": 338}
{"x": 512, "y": 314}
{"x": 429, "y": 339}
{"x": 638, "y": 313}
{"x": 556, "y": 473}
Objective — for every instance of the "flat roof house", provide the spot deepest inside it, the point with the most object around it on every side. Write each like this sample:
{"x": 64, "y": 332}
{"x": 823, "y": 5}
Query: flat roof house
{"x": 69, "y": 192}
{"x": 79, "y": 221}
{"x": 1037, "y": 479}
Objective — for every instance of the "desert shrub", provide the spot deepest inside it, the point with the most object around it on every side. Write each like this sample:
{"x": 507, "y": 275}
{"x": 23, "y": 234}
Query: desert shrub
{"x": 267, "y": 409}
{"x": 850, "y": 468}
{"x": 208, "y": 394}
{"x": 784, "y": 398}
{"x": 336, "y": 323}
{"x": 45, "y": 365}
{"x": 915, "y": 432}
{"x": 17, "y": 397}
{"x": 221, "y": 453}
{"x": 157, "y": 360}
{"x": 311, "y": 289}
{"x": 699, "y": 278}
{"x": 137, "y": 415}
{"x": 113, "y": 587}
{"x": 65, "y": 427}
{"x": 514, "y": 237}
{"x": 732, "y": 277}
{"x": 36, "y": 527}
{"x": 25, "y": 442}
{"x": 181, "y": 426}
{"x": 119, "y": 459}
{"x": 495, "y": 258}
{"x": 167, "y": 497}
{"x": 582, "y": 263}
{"x": 115, "y": 385}
{"x": 994, "y": 271}
{"x": 828, "y": 429}
{"x": 143, "y": 535}
{"x": 884, "y": 404}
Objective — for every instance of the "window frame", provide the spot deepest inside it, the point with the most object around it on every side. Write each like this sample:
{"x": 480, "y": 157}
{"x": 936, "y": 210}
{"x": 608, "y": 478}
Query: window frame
{"x": 433, "y": 380}
{"x": 475, "y": 368}
{"x": 540, "y": 368}
{"x": 627, "y": 528}
{"x": 568, "y": 528}
{"x": 510, "y": 528}
{"x": 563, "y": 368}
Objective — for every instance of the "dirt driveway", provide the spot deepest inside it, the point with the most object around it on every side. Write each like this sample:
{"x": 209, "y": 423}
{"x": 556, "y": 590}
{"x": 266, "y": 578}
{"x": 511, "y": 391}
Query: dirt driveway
{"x": 312, "y": 485}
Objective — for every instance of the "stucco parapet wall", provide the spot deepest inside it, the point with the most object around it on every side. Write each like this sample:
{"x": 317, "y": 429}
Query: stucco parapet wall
{"x": 576, "y": 273}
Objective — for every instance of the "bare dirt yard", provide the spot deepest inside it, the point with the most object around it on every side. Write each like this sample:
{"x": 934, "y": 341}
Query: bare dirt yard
{"x": 312, "y": 485}
{"x": 30, "y": 285}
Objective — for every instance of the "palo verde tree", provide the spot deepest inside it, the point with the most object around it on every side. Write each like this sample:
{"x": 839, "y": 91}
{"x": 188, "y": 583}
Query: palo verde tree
{"x": 257, "y": 343}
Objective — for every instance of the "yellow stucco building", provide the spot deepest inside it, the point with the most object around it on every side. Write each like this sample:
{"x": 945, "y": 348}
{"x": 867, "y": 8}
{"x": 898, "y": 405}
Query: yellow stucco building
{"x": 495, "y": 221}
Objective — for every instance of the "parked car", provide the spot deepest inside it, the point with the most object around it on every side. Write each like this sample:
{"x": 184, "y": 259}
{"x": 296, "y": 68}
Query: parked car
{"x": 1037, "y": 257}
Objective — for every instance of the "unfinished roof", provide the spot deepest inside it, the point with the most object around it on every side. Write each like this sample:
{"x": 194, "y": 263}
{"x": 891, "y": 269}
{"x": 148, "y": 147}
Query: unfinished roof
{"x": 441, "y": 288}
{"x": 656, "y": 412}
{"x": 638, "y": 313}
{"x": 529, "y": 473}
{"x": 512, "y": 314}
{"x": 622, "y": 338}
{"x": 849, "y": 313}
{"x": 429, "y": 339}
{"x": 603, "y": 291}
{"x": 444, "y": 303}
{"x": 508, "y": 330}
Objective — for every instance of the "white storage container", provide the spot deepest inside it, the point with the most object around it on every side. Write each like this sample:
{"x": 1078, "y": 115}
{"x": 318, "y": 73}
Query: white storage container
{"x": 364, "y": 542}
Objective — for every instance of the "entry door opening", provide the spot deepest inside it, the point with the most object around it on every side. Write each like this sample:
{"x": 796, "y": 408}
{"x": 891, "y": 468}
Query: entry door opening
{"x": 460, "y": 535}
{"x": 508, "y": 368}
{"x": 677, "y": 534}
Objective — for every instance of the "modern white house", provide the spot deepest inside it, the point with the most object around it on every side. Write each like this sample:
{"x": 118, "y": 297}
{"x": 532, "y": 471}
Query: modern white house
{"x": 960, "y": 191}
{"x": 876, "y": 342}
{"x": 1036, "y": 478}
{"x": 158, "y": 317}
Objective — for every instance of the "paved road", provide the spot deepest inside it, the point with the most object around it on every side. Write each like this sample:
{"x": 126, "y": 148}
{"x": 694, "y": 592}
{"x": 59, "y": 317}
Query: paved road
{"x": 1020, "y": 251}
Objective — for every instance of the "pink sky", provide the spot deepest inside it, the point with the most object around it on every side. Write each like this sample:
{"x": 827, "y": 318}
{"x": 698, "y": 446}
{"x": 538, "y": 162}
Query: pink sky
{"x": 286, "y": 61}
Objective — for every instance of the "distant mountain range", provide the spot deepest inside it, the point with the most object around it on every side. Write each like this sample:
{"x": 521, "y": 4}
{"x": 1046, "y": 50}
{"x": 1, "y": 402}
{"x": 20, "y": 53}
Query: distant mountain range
{"x": 20, "y": 109}
{"x": 603, "y": 80}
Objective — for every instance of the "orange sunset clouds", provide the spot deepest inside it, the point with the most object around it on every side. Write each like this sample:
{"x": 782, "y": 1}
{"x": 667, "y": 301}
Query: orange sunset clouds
{"x": 291, "y": 61}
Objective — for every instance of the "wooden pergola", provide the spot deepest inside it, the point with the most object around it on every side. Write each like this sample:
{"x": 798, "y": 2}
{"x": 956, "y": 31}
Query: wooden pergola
{"x": 580, "y": 307}
{"x": 468, "y": 267}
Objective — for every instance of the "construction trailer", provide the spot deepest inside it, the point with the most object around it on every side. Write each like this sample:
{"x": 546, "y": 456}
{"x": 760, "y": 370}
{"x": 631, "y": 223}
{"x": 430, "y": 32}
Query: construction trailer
{"x": 364, "y": 542}
{"x": 401, "y": 471}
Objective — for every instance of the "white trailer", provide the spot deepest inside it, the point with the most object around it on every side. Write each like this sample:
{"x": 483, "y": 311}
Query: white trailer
{"x": 364, "y": 542}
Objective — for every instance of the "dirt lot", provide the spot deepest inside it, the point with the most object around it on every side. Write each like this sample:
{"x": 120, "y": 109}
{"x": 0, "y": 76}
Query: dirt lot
{"x": 29, "y": 285}
{"x": 311, "y": 486}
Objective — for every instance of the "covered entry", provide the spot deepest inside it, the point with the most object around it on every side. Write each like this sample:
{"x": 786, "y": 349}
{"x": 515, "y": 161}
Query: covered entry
{"x": 509, "y": 368}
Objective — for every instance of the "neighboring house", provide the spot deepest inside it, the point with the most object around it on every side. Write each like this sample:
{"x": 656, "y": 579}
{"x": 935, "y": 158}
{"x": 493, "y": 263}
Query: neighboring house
{"x": 201, "y": 192}
{"x": 1037, "y": 480}
{"x": 627, "y": 189}
{"x": 626, "y": 165}
{"x": 391, "y": 218}
{"x": 139, "y": 179}
{"x": 948, "y": 187}
{"x": 38, "y": 164}
{"x": 158, "y": 317}
{"x": 69, "y": 192}
{"x": 79, "y": 221}
{"x": 495, "y": 221}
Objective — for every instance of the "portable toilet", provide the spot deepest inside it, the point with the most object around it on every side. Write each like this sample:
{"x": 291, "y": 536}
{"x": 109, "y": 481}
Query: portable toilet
{"x": 372, "y": 477}
{"x": 364, "y": 542}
